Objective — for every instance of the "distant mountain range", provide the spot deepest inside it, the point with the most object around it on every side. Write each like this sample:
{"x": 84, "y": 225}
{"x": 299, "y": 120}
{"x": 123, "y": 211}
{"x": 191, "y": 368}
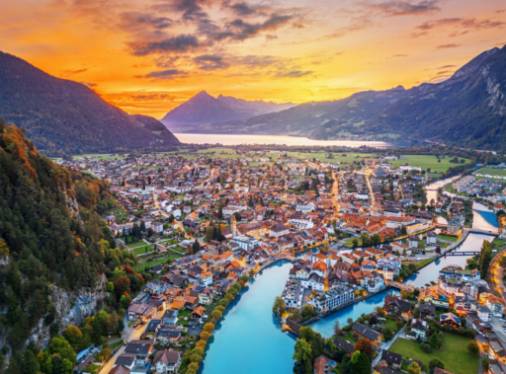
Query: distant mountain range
{"x": 468, "y": 109}
{"x": 63, "y": 117}
{"x": 203, "y": 112}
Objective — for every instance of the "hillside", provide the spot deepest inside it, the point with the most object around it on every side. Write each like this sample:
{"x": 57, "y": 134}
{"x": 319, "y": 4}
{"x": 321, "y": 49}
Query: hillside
{"x": 468, "y": 109}
{"x": 53, "y": 243}
{"x": 62, "y": 116}
{"x": 203, "y": 112}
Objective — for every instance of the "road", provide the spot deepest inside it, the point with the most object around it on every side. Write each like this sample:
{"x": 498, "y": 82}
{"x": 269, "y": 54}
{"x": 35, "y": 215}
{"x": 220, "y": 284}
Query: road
{"x": 129, "y": 334}
{"x": 335, "y": 195}
{"x": 385, "y": 346}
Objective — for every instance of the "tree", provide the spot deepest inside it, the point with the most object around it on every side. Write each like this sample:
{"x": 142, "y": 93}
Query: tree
{"x": 435, "y": 363}
{"x": 375, "y": 239}
{"x": 60, "y": 346}
{"x": 360, "y": 363}
{"x": 61, "y": 365}
{"x": 414, "y": 368}
{"x": 75, "y": 337}
{"x": 307, "y": 312}
{"x": 303, "y": 356}
{"x": 195, "y": 246}
{"x": 473, "y": 348}
{"x": 485, "y": 258}
{"x": 364, "y": 346}
{"x": 337, "y": 328}
{"x": 279, "y": 306}
{"x": 209, "y": 327}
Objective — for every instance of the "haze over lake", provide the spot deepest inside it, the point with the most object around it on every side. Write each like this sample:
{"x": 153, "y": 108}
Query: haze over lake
{"x": 247, "y": 139}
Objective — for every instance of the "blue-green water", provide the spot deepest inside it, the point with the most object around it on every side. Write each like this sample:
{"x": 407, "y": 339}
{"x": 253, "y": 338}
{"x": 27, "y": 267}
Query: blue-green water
{"x": 249, "y": 341}
{"x": 490, "y": 217}
{"x": 325, "y": 326}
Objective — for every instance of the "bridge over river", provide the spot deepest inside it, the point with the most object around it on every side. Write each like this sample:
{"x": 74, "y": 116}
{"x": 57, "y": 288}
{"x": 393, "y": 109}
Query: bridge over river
{"x": 462, "y": 253}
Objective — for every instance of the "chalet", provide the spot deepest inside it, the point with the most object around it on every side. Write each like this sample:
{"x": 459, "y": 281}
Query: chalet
{"x": 393, "y": 360}
{"x": 152, "y": 326}
{"x": 363, "y": 331}
{"x": 484, "y": 314}
{"x": 142, "y": 311}
{"x": 140, "y": 349}
{"x": 427, "y": 310}
{"x": 169, "y": 318}
{"x": 324, "y": 365}
{"x": 166, "y": 335}
{"x": 396, "y": 306}
{"x": 167, "y": 361}
{"x": 343, "y": 345}
{"x": 120, "y": 369}
{"x": 450, "y": 319}
{"x": 419, "y": 328}
{"x": 126, "y": 360}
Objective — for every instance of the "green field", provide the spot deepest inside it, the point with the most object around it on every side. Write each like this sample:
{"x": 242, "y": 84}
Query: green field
{"x": 100, "y": 156}
{"x": 331, "y": 157}
{"x": 220, "y": 153}
{"x": 453, "y": 353}
{"x": 155, "y": 261}
{"x": 495, "y": 172}
{"x": 428, "y": 162}
{"x": 448, "y": 238}
{"x": 139, "y": 248}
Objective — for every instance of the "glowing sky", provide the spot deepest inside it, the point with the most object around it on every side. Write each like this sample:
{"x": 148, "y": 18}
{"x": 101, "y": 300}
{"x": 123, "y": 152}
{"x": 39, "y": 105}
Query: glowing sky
{"x": 149, "y": 56}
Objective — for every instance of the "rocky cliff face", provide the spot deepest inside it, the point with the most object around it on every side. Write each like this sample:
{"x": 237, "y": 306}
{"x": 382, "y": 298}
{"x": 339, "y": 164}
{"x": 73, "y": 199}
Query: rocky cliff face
{"x": 50, "y": 240}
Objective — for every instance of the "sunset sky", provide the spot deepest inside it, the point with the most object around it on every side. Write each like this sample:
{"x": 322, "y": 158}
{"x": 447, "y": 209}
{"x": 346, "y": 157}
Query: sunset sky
{"x": 149, "y": 56}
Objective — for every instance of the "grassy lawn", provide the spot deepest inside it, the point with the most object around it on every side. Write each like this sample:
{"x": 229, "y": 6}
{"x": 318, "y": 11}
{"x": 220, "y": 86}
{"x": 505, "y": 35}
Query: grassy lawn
{"x": 495, "y": 172}
{"x": 427, "y": 162}
{"x": 499, "y": 243}
{"x": 420, "y": 264}
{"x": 146, "y": 264}
{"x": 100, "y": 156}
{"x": 447, "y": 238}
{"x": 219, "y": 152}
{"x": 391, "y": 325}
{"x": 453, "y": 353}
{"x": 139, "y": 248}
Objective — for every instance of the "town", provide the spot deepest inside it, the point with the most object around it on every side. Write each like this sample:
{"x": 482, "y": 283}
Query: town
{"x": 353, "y": 227}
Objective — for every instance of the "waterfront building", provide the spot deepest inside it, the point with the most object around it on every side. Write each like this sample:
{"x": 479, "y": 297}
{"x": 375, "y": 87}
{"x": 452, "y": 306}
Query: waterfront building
{"x": 333, "y": 299}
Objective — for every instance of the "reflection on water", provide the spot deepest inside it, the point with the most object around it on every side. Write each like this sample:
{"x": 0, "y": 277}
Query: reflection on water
{"x": 325, "y": 326}
{"x": 430, "y": 273}
{"x": 426, "y": 275}
{"x": 245, "y": 139}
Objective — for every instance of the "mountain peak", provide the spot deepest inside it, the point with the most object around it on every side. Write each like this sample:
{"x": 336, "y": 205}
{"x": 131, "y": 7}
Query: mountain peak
{"x": 202, "y": 94}
{"x": 203, "y": 110}
{"x": 62, "y": 116}
{"x": 480, "y": 61}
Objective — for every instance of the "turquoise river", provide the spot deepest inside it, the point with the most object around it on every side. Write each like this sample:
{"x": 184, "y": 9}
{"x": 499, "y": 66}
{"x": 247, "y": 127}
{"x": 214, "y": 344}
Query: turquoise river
{"x": 249, "y": 341}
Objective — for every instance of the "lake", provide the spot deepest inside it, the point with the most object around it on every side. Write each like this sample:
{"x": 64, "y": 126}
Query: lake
{"x": 245, "y": 139}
